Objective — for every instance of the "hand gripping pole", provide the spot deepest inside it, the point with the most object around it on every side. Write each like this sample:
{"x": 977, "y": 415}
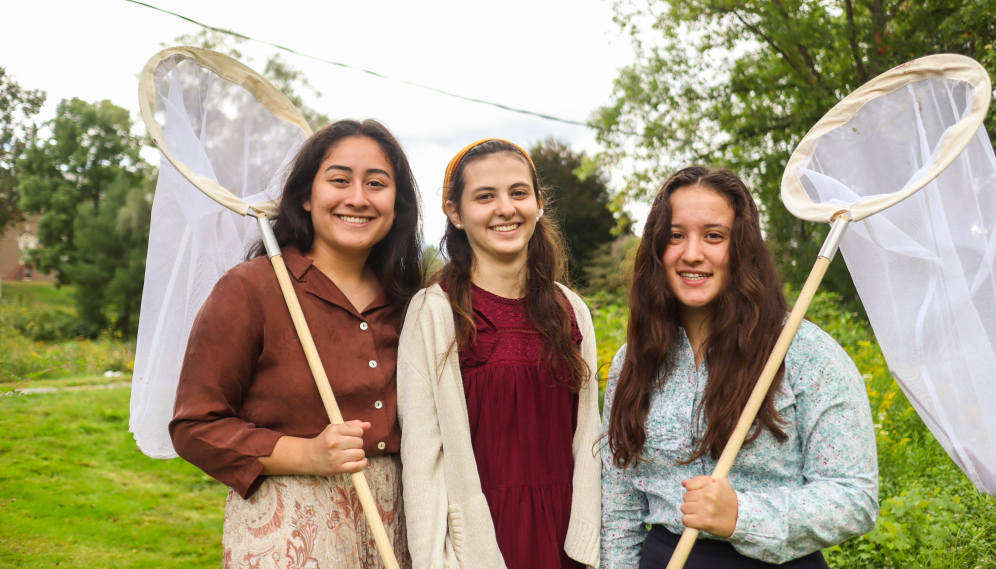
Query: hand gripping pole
{"x": 331, "y": 407}
{"x": 757, "y": 396}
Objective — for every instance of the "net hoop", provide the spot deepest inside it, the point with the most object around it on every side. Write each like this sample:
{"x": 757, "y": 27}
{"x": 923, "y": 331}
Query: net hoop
{"x": 949, "y": 66}
{"x": 231, "y": 70}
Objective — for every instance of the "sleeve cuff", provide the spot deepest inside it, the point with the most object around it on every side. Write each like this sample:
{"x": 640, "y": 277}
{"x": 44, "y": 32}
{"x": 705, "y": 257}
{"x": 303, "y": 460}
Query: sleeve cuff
{"x": 758, "y": 520}
{"x": 250, "y": 479}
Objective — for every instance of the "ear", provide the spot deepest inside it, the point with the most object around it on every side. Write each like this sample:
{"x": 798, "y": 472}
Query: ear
{"x": 453, "y": 214}
{"x": 306, "y": 204}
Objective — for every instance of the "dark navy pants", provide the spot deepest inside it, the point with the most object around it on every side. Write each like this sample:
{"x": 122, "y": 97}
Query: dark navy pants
{"x": 712, "y": 554}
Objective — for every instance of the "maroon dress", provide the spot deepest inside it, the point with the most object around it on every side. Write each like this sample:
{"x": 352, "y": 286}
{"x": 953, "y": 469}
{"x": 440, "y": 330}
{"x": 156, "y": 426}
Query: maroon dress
{"x": 522, "y": 428}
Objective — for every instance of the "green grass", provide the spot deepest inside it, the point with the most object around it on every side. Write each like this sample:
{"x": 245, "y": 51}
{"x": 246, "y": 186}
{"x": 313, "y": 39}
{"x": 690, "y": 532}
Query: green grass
{"x": 75, "y": 490}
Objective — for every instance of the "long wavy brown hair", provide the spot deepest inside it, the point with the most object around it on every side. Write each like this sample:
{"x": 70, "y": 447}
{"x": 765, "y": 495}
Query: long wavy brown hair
{"x": 744, "y": 327}
{"x": 546, "y": 263}
{"x": 397, "y": 258}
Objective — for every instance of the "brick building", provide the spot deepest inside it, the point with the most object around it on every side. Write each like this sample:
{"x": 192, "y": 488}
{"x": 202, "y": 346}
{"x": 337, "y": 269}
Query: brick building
{"x": 18, "y": 238}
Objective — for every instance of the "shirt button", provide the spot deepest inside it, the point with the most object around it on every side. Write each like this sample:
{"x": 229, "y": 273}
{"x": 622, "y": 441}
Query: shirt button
{"x": 378, "y": 404}
{"x": 363, "y": 326}
{"x": 373, "y": 363}
{"x": 381, "y": 445}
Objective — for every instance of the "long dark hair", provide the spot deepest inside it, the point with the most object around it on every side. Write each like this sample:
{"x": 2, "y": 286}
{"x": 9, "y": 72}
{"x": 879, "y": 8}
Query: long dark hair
{"x": 546, "y": 263}
{"x": 397, "y": 258}
{"x": 744, "y": 326}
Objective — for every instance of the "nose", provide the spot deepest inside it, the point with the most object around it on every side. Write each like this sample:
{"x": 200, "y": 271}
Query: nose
{"x": 504, "y": 206}
{"x": 356, "y": 195}
{"x": 692, "y": 254}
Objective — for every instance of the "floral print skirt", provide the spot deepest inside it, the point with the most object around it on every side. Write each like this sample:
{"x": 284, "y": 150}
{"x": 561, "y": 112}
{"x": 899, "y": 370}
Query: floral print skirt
{"x": 315, "y": 522}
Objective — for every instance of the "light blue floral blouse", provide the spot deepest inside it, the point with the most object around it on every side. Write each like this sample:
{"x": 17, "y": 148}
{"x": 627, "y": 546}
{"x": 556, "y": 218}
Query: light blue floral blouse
{"x": 817, "y": 489}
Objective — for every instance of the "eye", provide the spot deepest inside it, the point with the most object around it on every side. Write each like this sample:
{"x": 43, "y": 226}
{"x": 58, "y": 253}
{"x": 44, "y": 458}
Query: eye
{"x": 675, "y": 236}
{"x": 520, "y": 193}
{"x": 377, "y": 184}
{"x": 338, "y": 180}
{"x": 484, "y": 196}
{"x": 715, "y": 235}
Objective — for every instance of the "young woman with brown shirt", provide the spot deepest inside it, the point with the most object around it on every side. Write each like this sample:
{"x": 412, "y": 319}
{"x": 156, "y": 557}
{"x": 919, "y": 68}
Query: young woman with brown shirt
{"x": 247, "y": 410}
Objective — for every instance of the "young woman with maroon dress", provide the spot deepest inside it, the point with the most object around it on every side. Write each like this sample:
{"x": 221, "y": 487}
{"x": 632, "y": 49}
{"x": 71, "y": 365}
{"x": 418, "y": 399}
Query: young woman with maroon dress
{"x": 497, "y": 392}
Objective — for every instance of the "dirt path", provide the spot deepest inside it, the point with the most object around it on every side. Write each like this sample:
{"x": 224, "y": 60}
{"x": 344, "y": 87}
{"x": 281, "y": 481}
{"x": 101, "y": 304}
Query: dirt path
{"x": 36, "y": 390}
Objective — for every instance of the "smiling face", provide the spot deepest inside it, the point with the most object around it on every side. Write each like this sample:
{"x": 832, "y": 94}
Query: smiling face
{"x": 352, "y": 198}
{"x": 498, "y": 208}
{"x": 697, "y": 257}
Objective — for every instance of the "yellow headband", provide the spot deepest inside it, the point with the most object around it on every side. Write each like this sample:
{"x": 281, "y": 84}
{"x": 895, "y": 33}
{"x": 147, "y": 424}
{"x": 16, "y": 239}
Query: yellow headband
{"x": 451, "y": 167}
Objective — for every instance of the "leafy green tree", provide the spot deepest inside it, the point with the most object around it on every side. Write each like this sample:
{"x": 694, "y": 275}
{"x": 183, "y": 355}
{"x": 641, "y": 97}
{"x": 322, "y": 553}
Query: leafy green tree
{"x": 93, "y": 192}
{"x": 580, "y": 204}
{"x": 17, "y": 107}
{"x": 91, "y": 147}
{"x": 108, "y": 269}
{"x": 738, "y": 83}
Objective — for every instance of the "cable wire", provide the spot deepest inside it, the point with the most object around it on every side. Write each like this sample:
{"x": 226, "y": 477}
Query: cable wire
{"x": 367, "y": 71}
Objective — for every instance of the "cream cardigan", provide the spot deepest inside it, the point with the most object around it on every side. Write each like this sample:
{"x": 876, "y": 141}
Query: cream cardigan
{"x": 449, "y": 523}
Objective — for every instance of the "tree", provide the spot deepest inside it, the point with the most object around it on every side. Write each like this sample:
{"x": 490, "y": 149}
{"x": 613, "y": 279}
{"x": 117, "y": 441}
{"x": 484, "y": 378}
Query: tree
{"x": 738, "y": 83}
{"x": 17, "y": 107}
{"x": 91, "y": 147}
{"x": 581, "y": 205}
{"x": 93, "y": 192}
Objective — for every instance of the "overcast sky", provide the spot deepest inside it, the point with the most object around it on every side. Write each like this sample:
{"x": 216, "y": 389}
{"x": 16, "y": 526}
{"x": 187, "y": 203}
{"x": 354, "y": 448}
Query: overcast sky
{"x": 553, "y": 57}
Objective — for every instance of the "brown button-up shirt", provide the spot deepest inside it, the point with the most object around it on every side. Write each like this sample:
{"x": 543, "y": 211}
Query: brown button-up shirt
{"x": 245, "y": 381}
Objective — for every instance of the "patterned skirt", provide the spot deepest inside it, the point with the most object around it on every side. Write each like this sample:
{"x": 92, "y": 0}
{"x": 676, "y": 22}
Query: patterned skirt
{"x": 315, "y": 522}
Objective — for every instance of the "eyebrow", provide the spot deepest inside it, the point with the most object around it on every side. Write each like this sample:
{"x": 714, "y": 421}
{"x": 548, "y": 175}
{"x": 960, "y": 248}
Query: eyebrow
{"x": 709, "y": 226}
{"x": 512, "y": 187}
{"x": 350, "y": 170}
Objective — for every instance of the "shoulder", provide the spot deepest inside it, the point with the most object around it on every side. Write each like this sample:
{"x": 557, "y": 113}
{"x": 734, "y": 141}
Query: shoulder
{"x": 812, "y": 344}
{"x": 816, "y": 361}
{"x": 245, "y": 279}
{"x": 428, "y": 308}
{"x": 431, "y": 298}
{"x": 581, "y": 311}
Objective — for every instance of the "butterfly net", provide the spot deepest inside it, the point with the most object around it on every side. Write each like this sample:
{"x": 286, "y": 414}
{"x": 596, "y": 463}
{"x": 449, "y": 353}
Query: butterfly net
{"x": 913, "y": 144}
{"x": 221, "y": 132}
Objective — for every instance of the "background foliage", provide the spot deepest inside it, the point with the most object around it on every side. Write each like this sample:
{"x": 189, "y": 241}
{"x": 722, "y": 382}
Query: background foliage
{"x": 737, "y": 83}
{"x": 579, "y": 204}
{"x": 18, "y": 106}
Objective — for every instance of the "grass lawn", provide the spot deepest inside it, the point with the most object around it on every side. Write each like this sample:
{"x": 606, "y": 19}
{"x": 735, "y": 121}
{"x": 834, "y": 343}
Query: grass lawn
{"x": 75, "y": 491}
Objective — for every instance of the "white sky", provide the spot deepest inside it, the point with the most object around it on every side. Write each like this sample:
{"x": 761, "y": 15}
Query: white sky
{"x": 554, "y": 57}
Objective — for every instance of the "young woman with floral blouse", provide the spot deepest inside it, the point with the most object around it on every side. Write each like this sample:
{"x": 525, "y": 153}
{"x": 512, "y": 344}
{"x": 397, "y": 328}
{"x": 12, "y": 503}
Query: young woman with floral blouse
{"x": 706, "y": 308}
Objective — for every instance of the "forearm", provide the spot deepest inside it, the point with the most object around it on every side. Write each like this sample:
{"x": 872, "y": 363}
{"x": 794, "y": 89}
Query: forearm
{"x": 288, "y": 457}
{"x": 788, "y": 523}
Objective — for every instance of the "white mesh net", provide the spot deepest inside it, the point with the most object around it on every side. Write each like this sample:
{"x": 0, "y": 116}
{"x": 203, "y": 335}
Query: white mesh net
{"x": 924, "y": 267}
{"x": 220, "y": 131}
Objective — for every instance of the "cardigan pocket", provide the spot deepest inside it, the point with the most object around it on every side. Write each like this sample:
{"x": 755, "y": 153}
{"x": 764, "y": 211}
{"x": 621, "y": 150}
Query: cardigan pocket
{"x": 472, "y": 534}
{"x": 457, "y": 531}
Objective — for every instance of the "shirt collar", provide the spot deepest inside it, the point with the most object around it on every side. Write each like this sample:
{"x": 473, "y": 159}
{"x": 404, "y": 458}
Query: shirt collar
{"x": 317, "y": 283}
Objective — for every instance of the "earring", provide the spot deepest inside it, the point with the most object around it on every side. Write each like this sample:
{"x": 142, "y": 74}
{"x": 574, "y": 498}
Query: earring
{"x": 458, "y": 226}
{"x": 539, "y": 214}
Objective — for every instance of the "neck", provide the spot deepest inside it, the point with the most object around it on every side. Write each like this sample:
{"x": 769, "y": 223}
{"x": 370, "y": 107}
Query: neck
{"x": 346, "y": 269}
{"x": 506, "y": 279}
{"x": 697, "y": 323}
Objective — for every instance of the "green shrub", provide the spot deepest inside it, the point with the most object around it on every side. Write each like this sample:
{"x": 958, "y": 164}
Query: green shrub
{"x": 53, "y": 326}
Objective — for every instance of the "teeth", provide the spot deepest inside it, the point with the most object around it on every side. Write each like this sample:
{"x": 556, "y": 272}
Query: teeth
{"x": 506, "y": 228}
{"x": 352, "y": 219}
{"x": 693, "y": 276}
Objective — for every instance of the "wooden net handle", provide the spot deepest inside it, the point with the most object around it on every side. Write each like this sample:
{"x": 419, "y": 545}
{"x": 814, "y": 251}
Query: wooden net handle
{"x": 332, "y": 408}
